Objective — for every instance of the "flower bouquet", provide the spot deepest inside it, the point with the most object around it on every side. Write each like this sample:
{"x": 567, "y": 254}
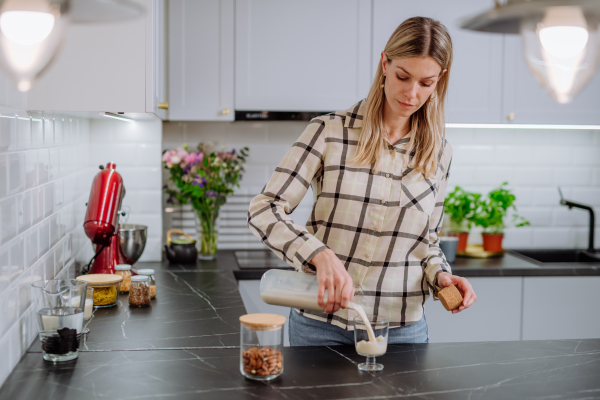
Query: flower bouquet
{"x": 205, "y": 178}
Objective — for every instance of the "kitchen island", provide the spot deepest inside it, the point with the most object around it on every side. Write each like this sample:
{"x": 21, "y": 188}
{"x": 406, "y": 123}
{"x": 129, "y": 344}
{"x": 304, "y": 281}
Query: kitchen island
{"x": 186, "y": 345}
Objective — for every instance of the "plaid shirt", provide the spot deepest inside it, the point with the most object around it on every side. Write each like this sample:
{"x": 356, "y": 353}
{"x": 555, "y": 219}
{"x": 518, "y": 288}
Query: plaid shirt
{"x": 384, "y": 228}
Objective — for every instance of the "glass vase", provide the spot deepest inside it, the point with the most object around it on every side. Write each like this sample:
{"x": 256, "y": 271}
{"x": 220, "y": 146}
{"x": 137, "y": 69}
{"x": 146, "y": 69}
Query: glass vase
{"x": 207, "y": 229}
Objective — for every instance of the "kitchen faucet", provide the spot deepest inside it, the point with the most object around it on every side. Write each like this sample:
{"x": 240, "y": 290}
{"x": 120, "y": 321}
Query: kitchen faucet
{"x": 590, "y": 250}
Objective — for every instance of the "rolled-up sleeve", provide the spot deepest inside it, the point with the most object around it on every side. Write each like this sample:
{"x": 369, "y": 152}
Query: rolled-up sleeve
{"x": 435, "y": 261}
{"x": 268, "y": 214}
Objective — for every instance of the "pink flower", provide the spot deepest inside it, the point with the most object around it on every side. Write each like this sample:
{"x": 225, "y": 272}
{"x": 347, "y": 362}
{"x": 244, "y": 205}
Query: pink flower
{"x": 193, "y": 158}
{"x": 168, "y": 157}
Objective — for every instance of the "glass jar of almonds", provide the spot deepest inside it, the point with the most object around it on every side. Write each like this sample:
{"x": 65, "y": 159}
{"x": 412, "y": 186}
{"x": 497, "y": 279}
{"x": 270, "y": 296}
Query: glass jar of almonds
{"x": 261, "y": 355}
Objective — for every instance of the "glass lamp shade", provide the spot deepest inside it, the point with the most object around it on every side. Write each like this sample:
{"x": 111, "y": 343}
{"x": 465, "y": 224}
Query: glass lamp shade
{"x": 31, "y": 32}
{"x": 561, "y": 48}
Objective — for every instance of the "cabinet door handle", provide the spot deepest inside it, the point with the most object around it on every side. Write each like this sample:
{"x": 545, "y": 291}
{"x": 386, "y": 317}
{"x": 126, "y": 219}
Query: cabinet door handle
{"x": 225, "y": 111}
{"x": 164, "y": 105}
{"x": 510, "y": 116}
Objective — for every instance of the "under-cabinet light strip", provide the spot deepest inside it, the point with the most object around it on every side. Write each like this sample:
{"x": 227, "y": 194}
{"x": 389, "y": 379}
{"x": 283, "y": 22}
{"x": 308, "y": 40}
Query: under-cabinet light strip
{"x": 522, "y": 126}
{"x": 117, "y": 116}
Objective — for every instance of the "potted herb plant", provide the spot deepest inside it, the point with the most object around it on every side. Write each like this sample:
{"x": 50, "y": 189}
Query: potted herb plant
{"x": 491, "y": 214}
{"x": 204, "y": 177}
{"x": 460, "y": 205}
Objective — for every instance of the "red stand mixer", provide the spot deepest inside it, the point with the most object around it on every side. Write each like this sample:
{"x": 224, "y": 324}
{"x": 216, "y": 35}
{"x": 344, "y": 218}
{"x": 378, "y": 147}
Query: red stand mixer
{"x": 102, "y": 220}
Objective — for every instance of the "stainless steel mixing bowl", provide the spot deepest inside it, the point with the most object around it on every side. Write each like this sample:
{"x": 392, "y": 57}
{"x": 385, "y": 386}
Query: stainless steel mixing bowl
{"x": 133, "y": 240}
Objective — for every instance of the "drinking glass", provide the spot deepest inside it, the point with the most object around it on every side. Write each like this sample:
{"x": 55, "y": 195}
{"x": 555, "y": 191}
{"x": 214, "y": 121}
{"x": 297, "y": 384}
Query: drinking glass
{"x": 364, "y": 347}
{"x": 60, "y": 332}
{"x": 88, "y": 308}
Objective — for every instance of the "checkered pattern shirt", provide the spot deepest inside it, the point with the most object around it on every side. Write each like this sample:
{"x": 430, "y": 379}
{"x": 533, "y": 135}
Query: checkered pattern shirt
{"x": 383, "y": 227}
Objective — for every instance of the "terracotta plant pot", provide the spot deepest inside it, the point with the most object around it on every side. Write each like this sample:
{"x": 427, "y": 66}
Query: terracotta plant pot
{"x": 462, "y": 240}
{"x": 492, "y": 242}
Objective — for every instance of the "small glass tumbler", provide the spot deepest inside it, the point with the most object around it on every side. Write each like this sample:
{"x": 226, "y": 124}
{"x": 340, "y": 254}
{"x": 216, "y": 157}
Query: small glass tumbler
{"x": 60, "y": 333}
{"x": 88, "y": 308}
{"x": 371, "y": 349}
{"x": 261, "y": 355}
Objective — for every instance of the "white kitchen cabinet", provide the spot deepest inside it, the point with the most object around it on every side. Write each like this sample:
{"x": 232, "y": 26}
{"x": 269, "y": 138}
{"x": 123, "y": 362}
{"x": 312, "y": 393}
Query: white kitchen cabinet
{"x": 495, "y": 316}
{"x": 531, "y": 104}
{"x": 307, "y": 55}
{"x": 201, "y": 60}
{"x": 561, "y": 308}
{"x": 475, "y": 91}
{"x": 106, "y": 67}
{"x": 156, "y": 59}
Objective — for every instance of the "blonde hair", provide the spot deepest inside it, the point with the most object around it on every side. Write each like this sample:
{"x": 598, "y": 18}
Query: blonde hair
{"x": 415, "y": 37}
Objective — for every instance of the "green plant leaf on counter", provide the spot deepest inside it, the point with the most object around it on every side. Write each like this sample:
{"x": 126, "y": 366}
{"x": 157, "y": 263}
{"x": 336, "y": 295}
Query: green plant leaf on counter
{"x": 492, "y": 211}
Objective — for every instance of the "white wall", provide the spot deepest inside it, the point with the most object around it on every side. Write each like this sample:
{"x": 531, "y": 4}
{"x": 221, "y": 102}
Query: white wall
{"x": 135, "y": 147}
{"x": 44, "y": 185}
{"x": 534, "y": 162}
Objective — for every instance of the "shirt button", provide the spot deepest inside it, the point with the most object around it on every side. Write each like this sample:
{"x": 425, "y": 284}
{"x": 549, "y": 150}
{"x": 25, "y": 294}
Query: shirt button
{"x": 387, "y": 175}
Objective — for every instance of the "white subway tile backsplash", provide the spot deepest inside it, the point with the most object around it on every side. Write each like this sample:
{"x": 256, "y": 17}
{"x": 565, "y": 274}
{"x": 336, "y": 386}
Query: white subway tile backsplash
{"x": 37, "y": 129}
{"x": 24, "y": 288}
{"x": 553, "y": 155}
{"x": 518, "y": 237}
{"x": 54, "y": 166}
{"x": 515, "y": 155}
{"x": 471, "y": 154}
{"x": 141, "y": 178}
{"x": 4, "y": 361}
{"x": 37, "y": 205}
{"x": 25, "y": 212}
{"x": 8, "y": 309}
{"x": 574, "y": 137}
{"x": 152, "y": 221}
{"x": 48, "y": 124}
{"x": 148, "y": 201}
{"x": 48, "y": 207}
{"x": 533, "y": 176}
{"x": 8, "y": 219}
{"x": 44, "y": 236}
{"x": 552, "y": 237}
{"x": 30, "y": 239}
{"x": 8, "y": 133}
{"x": 31, "y": 160}
{"x": 538, "y": 216}
{"x": 586, "y": 156}
{"x": 23, "y": 130}
{"x": 54, "y": 229}
{"x": 549, "y": 196}
{"x": 574, "y": 217}
{"x": 589, "y": 196}
{"x": 3, "y": 175}
{"x": 16, "y": 172}
{"x": 573, "y": 176}
{"x": 58, "y": 194}
{"x": 43, "y": 166}
{"x": 58, "y": 129}
{"x": 149, "y": 154}
{"x": 494, "y": 175}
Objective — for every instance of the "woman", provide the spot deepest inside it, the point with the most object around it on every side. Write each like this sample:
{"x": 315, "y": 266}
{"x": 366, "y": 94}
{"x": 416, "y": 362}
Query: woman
{"x": 378, "y": 173}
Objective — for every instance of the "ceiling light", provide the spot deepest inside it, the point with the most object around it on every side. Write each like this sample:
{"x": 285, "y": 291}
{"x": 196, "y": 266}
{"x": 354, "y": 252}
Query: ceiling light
{"x": 30, "y": 33}
{"x": 560, "y": 38}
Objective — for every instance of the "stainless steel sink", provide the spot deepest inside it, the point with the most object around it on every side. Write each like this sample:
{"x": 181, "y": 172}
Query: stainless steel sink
{"x": 546, "y": 256}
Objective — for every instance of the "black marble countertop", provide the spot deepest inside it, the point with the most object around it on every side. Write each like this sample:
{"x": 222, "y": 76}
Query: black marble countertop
{"x": 186, "y": 345}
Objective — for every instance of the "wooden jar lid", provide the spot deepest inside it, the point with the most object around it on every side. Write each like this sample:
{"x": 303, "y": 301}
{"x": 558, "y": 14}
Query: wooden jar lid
{"x": 263, "y": 321}
{"x": 100, "y": 279}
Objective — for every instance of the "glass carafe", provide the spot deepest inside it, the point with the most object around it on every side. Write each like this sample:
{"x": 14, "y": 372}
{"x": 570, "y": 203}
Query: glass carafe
{"x": 58, "y": 293}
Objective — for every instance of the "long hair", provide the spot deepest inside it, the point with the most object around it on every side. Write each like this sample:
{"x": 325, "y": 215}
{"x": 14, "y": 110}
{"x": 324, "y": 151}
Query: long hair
{"x": 420, "y": 37}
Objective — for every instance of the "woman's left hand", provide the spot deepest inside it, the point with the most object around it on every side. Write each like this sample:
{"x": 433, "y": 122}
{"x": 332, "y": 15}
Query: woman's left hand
{"x": 464, "y": 287}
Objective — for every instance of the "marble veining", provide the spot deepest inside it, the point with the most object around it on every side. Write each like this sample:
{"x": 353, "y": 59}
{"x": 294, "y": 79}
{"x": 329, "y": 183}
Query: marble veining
{"x": 186, "y": 346}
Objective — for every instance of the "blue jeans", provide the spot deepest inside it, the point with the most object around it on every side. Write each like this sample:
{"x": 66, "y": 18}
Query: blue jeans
{"x": 306, "y": 331}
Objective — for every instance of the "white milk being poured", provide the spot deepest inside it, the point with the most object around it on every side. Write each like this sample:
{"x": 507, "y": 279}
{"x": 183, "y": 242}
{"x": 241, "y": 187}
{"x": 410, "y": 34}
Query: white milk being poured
{"x": 307, "y": 300}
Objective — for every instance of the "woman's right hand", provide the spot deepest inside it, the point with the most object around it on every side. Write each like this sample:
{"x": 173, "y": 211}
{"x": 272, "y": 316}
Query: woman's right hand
{"x": 333, "y": 277}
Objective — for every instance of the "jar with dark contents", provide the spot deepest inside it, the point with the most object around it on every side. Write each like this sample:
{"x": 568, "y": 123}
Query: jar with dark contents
{"x": 125, "y": 271}
{"x": 139, "y": 291}
{"x": 151, "y": 280}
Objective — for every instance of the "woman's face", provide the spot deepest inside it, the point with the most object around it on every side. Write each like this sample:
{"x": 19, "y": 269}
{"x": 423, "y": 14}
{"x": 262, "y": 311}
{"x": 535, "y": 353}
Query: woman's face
{"x": 409, "y": 82}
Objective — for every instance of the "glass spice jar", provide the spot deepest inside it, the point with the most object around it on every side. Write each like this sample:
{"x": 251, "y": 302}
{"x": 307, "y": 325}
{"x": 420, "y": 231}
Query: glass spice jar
{"x": 261, "y": 355}
{"x": 152, "y": 281}
{"x": 139, "y": 292}
{"x": 125, "y": 271}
